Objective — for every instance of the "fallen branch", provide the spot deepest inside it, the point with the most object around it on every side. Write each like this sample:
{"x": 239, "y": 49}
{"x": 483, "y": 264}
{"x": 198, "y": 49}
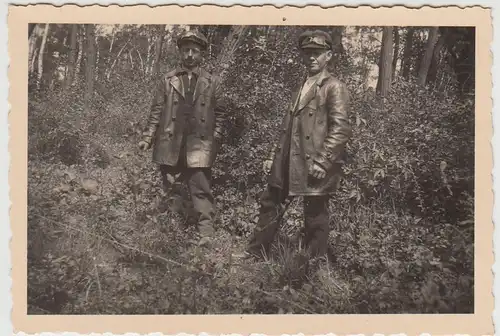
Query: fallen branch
{"x": 124, "y": 245}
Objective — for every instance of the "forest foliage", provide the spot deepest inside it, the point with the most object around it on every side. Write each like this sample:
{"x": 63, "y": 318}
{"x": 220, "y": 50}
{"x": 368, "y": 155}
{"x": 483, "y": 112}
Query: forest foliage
{"x": 105, "y": 238}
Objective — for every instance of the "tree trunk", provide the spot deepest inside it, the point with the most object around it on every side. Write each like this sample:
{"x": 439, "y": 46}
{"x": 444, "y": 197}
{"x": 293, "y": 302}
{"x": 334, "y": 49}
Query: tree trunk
{"x": 385, "y": 63}
{"x": 406, "y": 61}
{"x": 149, "y": 60}
{"x": 131, "y": 59}
{"x": 158, "y": 48}
{"x": 72, "y": 56}
{"x": 336, "y": 34}
{"x": 89, "y": 66}
{"x": 31, "y": 28}
{"x": 396, "y": 52}
{"x": 40, "y": 56}
{"x": 32, "y": 63}
{"x": 143, "y": 69}
{"x": 80, "y": 55}
{"x": 436, "y": 59}
{"x": 110, "y": 70}
{"x": 426, "y": 59}
{"x": 112, "y": 41}
{"x": 31, "y": 52}
{"x": 97, "y": 58}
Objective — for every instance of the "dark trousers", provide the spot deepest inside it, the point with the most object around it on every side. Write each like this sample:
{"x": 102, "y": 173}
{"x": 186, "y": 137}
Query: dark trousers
{"x": 271, "y": 213}
{"x": 198, "y": 183}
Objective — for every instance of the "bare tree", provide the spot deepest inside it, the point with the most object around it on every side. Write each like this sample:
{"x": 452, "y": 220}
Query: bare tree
{"x": 149, "y": 59}
{"x": 396, "y": 52}
{"x": 80, "y": 54}
{"x": 40, "y": 56}
{"x": 110, "y": 70}
{"x": 31, "y": 28}
{"x": 427, "y": 58}
{"x": 32, "y": 49}
{"x": 436, "y": 59}
{"x": 96, "y": 70}
{"x": 90, "y": 64}
{"x": 72, "y": 56}
{"x": 158, "y": 48}
{"x": 406, "y": 61}
{"x": 385, "y": 62}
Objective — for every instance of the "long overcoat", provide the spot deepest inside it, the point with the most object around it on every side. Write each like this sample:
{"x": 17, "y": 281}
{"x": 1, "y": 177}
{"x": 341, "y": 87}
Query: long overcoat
{"x": 166, "y": 124}
{"x": 315, "y": 129}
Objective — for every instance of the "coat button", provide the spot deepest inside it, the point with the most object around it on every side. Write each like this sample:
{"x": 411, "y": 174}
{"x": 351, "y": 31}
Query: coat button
{"x": 308, "y": 156}
{"x": 310, "y": 113}
{"x": 173, "y": 118}
{"x": 307, "y": 137}
{"x": 203, "y": 119}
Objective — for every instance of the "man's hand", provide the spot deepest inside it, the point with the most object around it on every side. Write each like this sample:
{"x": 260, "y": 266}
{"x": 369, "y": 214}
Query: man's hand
{"x": 317, "y": 171}
{"x": 267, "y": 166}
{"x": 144, "y": 145}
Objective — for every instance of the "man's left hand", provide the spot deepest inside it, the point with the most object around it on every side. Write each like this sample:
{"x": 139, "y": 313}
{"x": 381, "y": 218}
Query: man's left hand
{"x": 317, "y": 171}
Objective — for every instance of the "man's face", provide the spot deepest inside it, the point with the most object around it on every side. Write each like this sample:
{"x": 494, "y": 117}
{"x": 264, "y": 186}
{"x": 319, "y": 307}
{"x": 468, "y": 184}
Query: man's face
{"x": 316, "y": 59}
{"x": 190, "y": 54}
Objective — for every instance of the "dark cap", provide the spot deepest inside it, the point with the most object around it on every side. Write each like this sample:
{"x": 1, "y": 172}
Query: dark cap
{"x": 193, "y": 36}
{"x": 315, "y": 39}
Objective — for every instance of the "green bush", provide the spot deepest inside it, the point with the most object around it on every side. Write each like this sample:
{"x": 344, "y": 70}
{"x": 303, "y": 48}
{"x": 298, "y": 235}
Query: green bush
{"x": 402, "y": 223}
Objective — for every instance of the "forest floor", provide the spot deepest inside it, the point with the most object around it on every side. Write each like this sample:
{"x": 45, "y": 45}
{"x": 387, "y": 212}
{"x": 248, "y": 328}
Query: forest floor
{"x": 102, "y": 240}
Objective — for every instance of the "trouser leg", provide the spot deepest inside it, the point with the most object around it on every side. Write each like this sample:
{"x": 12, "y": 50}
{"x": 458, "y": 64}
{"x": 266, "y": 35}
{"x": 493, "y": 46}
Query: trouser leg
{"x": 317, "y": 226}
{"x": 269, "y": 221}
{"x": 172, "y": 186}
{"x": 198, "y": 181}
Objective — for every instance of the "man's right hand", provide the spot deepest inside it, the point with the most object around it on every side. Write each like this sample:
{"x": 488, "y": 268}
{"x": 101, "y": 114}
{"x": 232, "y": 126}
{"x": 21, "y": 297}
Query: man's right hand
{"x": 143, "y": 145}
{"x": 267, "y": 166}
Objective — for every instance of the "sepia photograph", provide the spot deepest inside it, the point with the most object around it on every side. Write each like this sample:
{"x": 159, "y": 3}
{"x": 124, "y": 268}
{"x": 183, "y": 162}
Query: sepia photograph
{"x": 250, "y": 169}
{"x": 253, "y": 169}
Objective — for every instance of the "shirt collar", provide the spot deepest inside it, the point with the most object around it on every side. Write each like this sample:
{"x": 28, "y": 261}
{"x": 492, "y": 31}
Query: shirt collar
{"x": 314, "y": 77}
{"x": 183, "y": 70}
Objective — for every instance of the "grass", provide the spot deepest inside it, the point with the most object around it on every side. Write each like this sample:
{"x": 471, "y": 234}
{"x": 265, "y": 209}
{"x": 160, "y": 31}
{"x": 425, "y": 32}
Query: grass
{"x": 104, "y": 238}
{"x": 105, "y": 251}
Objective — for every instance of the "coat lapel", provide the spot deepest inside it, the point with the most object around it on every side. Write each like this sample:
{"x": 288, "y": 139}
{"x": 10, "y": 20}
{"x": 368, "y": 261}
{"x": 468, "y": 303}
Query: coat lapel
{"x": 177, "y": 85}
{"x": 305, "y": 99}
{"x": 311, "y": 93}
{"x": 201, "y": 85}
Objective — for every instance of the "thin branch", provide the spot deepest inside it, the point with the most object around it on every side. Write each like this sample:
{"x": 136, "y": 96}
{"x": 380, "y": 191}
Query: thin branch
{"x": 122, "y": 245}
{"x": 116, "y": 59}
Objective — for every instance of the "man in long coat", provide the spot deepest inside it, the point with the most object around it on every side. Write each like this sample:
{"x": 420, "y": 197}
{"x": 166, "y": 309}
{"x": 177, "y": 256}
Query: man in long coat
{"x": 307, "y": 159}
{"x": 185, "y": 126}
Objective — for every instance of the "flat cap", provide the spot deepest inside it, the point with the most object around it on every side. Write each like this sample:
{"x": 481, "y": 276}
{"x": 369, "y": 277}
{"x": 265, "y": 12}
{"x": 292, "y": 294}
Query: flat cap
{"x": 315, "y": 39}
{"x": 193, "y": 36}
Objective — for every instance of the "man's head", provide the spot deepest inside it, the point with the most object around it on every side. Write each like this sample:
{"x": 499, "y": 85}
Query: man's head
{"x": 191, "y": 45}
{"x": 316, "y": 50}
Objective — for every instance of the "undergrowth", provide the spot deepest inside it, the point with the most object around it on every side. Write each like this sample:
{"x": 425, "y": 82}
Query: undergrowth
{"x": 105, "y": 238}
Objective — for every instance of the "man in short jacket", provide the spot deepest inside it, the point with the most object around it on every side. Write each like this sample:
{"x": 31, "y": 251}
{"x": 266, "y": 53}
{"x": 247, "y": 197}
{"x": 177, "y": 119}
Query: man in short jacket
{"x": 307, "y": 159}
{"x": 185, "y": 126}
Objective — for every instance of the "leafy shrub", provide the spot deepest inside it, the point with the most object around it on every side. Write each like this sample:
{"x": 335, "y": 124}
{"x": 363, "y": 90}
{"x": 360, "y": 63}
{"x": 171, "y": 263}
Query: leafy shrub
{"x": 402, "y": 223}
{"x": 415, "y": 152}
